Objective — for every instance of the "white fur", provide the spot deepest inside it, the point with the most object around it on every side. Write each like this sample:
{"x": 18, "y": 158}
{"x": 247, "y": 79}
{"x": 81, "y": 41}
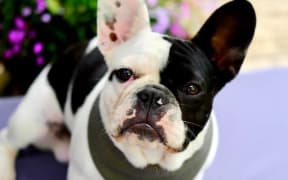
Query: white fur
{"x": 140, "y": 49}
{"x": 79, "y": 152}
{"x": 28, "y": 125}
{"x": 213, "y": 149}
{"x": 92, "y": 45}
{"x": 174, "y": 161}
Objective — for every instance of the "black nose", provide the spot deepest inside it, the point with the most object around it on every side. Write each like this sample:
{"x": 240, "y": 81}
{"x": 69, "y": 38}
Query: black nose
{"x": 152, "y": 97}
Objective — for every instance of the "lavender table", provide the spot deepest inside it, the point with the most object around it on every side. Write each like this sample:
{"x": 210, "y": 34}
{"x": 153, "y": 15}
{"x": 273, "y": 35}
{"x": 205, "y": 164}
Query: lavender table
{"x": 253, "y": 123}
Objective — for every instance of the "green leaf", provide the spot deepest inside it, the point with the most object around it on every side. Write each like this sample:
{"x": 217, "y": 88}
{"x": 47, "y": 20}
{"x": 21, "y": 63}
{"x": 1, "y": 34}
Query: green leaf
{"x": 53, "y": 6}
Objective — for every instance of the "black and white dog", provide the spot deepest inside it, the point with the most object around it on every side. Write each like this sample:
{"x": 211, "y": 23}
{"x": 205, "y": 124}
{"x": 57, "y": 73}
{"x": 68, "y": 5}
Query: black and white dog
{"x": 138, "y": 104}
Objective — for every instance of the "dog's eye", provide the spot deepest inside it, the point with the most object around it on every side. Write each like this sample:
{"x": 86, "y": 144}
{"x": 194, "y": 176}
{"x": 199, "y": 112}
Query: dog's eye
{"x": 124, "y": 74}
{"x": 192, "y": 89}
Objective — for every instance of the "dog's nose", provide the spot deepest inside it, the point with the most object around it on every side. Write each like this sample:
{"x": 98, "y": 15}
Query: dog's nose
{"x": 152, "y": 97}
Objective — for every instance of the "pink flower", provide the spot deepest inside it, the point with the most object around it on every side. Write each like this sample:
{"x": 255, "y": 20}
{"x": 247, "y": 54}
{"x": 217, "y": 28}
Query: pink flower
{"x": 16, "y": 36}
{"x": 32, "y": 34}
{"x": 40, "y": 60}
{"x": 19, "y": 22}
{"x": 185, "y": 10}
{"x": 38, "y": 48}
{"x": 16, "y": 48}
{"x": 8, "y": 54}
{"x": 26, "y": 11}
{"x": 177, "y": 30}
{"x": 40, "y": 6}
{"x": 46, "y": 18}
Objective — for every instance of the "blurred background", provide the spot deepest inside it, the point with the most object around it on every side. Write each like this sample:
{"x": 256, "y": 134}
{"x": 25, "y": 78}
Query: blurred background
{"x": 34, "y": 32}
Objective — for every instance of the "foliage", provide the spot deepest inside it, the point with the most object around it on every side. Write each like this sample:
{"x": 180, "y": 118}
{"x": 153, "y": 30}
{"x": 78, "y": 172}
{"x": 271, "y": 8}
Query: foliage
{"x": 35, "y": 32}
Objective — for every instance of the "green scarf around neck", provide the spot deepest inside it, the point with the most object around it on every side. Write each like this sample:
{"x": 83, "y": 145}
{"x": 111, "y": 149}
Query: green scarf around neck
{"x": 112, "y": 164}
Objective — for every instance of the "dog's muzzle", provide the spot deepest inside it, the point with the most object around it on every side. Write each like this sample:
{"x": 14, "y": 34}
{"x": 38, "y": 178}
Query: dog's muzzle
{"x": 151, "y": 106}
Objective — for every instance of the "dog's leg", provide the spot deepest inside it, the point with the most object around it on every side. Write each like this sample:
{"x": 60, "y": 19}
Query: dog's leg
{"x": 57, "y": 139}
{"x": 28, "y": 124}
{"x": 7, "y": 158}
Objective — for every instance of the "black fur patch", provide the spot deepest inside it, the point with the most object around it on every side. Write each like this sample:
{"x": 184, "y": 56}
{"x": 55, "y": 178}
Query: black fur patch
{"x": 88, "y": 73}
{"x": 188, "y": 64}
{"x": 61, "y": 72}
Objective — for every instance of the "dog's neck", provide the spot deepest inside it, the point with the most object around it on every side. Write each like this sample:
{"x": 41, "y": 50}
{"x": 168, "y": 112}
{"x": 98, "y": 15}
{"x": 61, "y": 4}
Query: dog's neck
{"x": 112, "y": 164}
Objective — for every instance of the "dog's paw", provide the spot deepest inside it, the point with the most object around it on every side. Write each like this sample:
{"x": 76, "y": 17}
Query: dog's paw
{"x": 61, "y": 152}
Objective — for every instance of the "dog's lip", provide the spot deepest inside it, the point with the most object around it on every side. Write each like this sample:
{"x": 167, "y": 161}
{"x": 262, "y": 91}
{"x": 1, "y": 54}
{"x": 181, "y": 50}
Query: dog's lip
{"x": 145, "y": 126}
{"x": 122, "y": 131}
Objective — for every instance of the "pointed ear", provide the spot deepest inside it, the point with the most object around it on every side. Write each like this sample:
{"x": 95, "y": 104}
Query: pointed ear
{"x": 226, "y": 36}
{"x": 120, "y": 20}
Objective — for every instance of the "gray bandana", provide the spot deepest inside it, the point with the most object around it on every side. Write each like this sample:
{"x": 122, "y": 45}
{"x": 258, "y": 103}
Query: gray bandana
{"x": 112, "y": 164}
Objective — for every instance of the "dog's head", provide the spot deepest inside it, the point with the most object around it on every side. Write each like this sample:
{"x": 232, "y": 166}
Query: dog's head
{"x": 160, "y": 92}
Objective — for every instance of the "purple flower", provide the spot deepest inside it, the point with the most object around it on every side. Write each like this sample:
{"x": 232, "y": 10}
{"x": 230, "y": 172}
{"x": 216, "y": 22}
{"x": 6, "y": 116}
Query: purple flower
{"x": 40, "y": 60}
{"x": 46, "y": 18}
{"x": 8, "y": 54}
{"x": 16, "y": 48}
{"x": 152, "y": 3}
{"x": 16, "y": 36}
{"x": 19, "y": 22}
{"x": 162, "y": 20}
{"x": 38, "y": 48}
{"x": 185, "y": 10}
{"x": 32, "y": 34}
{"x": 26, "y": 11}
{"x": 177, "y": 30}
{"x": 40, "y": 6}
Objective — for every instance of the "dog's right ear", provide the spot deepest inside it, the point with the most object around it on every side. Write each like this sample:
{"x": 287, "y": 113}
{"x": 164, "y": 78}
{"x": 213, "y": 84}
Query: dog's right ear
{"x": 226, "y": 35}
{"x": 119, "y": 21}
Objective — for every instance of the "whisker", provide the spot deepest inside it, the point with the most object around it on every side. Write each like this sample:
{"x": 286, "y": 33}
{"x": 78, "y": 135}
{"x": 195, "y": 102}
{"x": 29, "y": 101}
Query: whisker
{"x": 188, "y": 139}
{"x": 187, "y": 105}
{"x": 191, "y": 132}
{"x": 102, "y": 132}
{"x": 95, "y": 80}
{"x": 195, "y": 124}
{"x": 183, "y": 46}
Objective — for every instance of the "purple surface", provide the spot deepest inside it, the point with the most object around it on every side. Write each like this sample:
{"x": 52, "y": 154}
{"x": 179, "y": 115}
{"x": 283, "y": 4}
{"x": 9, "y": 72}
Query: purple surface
{"x": 253, "y": 130}
{"x": 253, "y": 123}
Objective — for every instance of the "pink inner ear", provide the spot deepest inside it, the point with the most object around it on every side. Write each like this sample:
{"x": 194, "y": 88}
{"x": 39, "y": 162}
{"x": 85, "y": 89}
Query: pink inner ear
{"x": 119, "y": 21}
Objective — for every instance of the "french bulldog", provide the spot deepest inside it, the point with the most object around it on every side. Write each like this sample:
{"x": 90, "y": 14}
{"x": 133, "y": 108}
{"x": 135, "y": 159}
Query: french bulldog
{"x": 131, "y": 103}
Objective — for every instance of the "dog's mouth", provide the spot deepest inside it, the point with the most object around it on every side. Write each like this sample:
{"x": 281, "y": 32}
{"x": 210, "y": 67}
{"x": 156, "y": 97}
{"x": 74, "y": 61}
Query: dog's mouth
{"x": 155, "y": 126}
{"x": 144, "y": 130}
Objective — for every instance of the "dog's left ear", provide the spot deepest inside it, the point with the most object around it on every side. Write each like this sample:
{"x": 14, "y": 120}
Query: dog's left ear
{"x": 226, "y": 36}
{"x": 119, "y": 21}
